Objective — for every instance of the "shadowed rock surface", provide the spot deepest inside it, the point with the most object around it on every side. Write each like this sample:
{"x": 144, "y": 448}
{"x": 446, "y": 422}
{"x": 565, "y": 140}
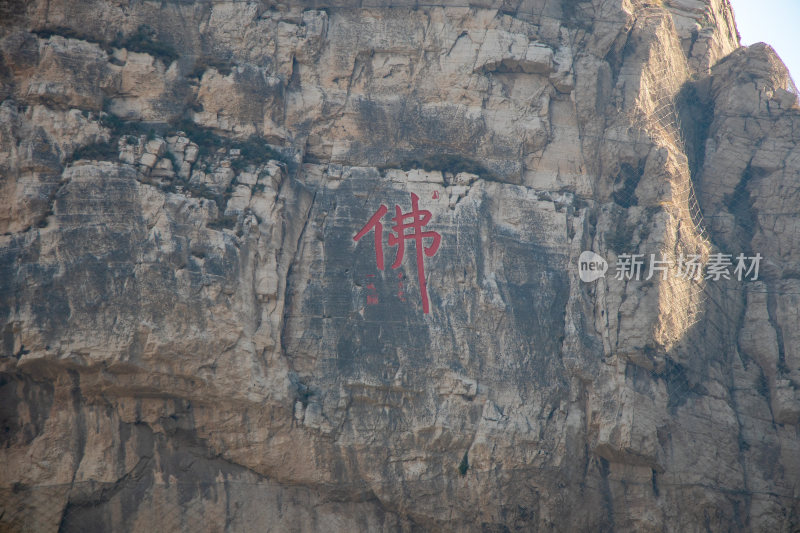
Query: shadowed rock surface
{"x": 191, "y": 338}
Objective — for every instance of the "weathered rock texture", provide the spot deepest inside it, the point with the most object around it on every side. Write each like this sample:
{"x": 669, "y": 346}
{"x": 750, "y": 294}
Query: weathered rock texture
{"x": 192, "y": 339}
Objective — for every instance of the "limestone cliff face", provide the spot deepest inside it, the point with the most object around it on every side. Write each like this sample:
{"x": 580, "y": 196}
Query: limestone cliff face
{"x": 192, "y": 339}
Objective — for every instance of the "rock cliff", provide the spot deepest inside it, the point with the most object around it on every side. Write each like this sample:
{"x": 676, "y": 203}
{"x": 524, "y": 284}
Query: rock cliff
{"x": 197, "y": 333}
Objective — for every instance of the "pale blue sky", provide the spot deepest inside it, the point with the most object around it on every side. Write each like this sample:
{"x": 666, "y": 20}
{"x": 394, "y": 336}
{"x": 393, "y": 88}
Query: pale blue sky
{"x": 775, "y": 22}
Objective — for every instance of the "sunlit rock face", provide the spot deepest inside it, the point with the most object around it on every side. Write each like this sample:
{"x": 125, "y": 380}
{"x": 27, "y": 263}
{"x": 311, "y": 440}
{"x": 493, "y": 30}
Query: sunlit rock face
{"x": 314, "y": 267}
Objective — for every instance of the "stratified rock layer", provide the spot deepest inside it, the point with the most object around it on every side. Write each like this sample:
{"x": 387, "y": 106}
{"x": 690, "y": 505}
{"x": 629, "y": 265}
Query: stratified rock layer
{"x": 194, "y": 338}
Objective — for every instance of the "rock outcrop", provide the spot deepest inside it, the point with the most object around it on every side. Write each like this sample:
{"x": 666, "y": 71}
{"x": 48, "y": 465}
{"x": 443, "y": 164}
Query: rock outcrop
{"x": 197, "y": 333}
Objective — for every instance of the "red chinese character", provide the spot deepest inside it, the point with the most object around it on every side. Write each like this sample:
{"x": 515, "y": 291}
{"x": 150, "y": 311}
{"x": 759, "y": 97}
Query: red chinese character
{"x": 372, "y": 299}
{"x": 414, "y": 221}
{"x": 375, "y": 222}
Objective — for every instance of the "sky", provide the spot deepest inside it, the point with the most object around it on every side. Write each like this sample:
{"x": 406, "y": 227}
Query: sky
{"x": 775, "y": 22}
